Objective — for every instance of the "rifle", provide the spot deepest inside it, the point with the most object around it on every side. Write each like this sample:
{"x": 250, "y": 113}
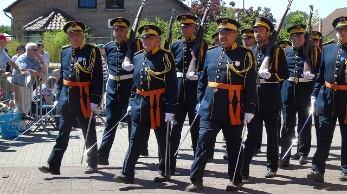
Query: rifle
{"x": 132, "y": 35}
{"x": 273, "y": 38}
{"x": 308, "y": 50}
{"x": 193, "y": 66}
{"x": 168, "y": 40}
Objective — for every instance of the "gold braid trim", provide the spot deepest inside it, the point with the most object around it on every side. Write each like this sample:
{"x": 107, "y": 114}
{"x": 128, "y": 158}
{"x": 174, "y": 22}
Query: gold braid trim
{"x": 231, "y": 66}
{"x": 90, "y": 67}
{"x": 156, "y": 74}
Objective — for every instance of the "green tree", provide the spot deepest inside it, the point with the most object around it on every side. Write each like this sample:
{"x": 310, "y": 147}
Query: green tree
{"x": 296, "y": 17}
{"x": 5, "y": 29}
{"x": 54, "y": 41}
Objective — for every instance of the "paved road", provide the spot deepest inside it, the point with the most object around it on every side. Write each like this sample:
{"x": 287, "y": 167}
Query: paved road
{"x": 19, "y": 173}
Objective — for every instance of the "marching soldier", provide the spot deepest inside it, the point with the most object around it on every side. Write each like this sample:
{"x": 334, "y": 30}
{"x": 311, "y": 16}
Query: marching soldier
{"x": 186, "y": 84}
{"x": 227, "y": 94}
{"x": 248, "y": 39}
{"x": 79, "y": 93}
{"x": 330, "y": 90}
{"x": 153, "y": 101}
{"x": 269, "y": 99}
{"x": 317, "y": 39}
{"x": 118, "y": 87}
{"x": 296, "y": 91}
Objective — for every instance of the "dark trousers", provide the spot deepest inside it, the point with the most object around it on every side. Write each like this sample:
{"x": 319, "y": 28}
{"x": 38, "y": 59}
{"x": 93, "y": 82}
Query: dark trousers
{"x": 207, "y": 137}
{"x": 325, "y": 134}
{"x": 66, "y": 122}
{"x": 136, "y": 144}
{"x": 255, "y": 129}
{"x": 288, "y": 132}
{"x": 114, "y": 112}
{"x": 182, "y": 110}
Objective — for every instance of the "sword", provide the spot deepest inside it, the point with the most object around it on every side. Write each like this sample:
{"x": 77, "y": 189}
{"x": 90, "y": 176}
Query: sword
{"x": 301, "y": 130}
{"x": 86, "y": 139}
{"x": 243, "y": 140}
{"x": 185, "y": 136}
{"x": 167, "y": 172}
{"x": 114, "y": 126}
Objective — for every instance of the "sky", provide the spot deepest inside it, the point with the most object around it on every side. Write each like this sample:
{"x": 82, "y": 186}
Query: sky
{"x": 324, "y": 7}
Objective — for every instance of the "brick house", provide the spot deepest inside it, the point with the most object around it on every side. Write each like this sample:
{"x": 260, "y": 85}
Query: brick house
{"x": 33, "y": 17}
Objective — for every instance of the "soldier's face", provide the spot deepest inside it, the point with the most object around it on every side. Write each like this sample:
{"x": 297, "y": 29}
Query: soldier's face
{"x": 188, "y": 30}
{"x": 298, "y": 39}
{"x": 150, "y": 42}
{"x": 341, "y": 34}
{"x": 120, "y": 33}
{"x": 227, "y": 37}
{"x": 248, "y": 41}
{"x": 76, "y": 38}
{"x": 261, "y": 34}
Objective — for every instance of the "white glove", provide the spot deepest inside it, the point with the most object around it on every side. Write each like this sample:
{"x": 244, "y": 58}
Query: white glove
{"x": 169, "y": 117}
{"x": 126, "y": 65}
{"x": 94, "y": 107}
{"x": 248, "y": 117}
{"x": 265, "y": 74}
{"x": 192, "y": 76}
{"x": 197, "y": 107}
{"x": 313, "y": 101}
{"x": 308, "y": 75}
{"x": 128, "y": 109}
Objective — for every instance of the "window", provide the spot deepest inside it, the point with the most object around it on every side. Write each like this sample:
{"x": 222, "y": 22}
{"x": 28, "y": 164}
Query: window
{"x": 87, "y": 4}
{"x": 114, "y": 4}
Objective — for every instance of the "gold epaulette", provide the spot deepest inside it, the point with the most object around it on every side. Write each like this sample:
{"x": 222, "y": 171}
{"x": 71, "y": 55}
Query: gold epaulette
{"x": 65, "y": 47}
{"x": 212, "y": 47}
{"x": 138, "y": 52}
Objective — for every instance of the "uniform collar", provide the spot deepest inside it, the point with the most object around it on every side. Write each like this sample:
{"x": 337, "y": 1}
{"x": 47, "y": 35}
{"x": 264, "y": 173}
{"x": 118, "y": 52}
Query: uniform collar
{"x": 80, "y": 47}
{"x": 233, "y": 47}
{"x": 152, "y": 52}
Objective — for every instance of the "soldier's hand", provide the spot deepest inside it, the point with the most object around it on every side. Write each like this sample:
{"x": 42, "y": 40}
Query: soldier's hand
{"x": 313, "y": 101}
{"x": 94, "y": 107}
{"x": 197, "y": 107}
{"x": 169, "y": 117}
{"x": 265, "y": 74}
{"x": 192, "y": 76}
{"x": 308, "y": 75}
{"x": 127, "y": 65}
{"x": 128, "y": 110}
{"x": 248, "y": 117}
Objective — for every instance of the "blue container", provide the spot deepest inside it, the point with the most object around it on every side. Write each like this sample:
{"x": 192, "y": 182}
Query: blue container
{"x": 9, "y": 124}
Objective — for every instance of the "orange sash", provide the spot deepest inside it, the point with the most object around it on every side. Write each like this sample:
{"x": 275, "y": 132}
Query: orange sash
{"x": 84, "y": 86}
{"x": 235, "y": 116}
{"x": 153, "y": 95}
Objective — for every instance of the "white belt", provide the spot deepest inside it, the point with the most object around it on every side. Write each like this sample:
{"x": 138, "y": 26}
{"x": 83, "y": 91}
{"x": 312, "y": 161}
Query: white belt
{"x": 263, "y": 81}
{"x": 292, "y": 79}
{"x": 120, "y": 77}
{"x": 179, "y": 74}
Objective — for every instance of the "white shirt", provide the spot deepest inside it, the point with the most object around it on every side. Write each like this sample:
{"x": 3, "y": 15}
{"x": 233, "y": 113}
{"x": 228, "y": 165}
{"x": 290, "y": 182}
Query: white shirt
{"x": 4, "y": 59}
